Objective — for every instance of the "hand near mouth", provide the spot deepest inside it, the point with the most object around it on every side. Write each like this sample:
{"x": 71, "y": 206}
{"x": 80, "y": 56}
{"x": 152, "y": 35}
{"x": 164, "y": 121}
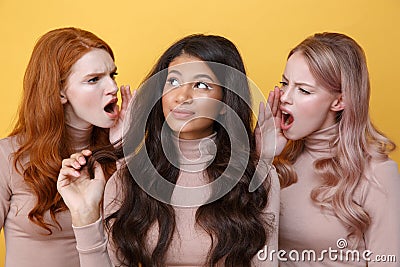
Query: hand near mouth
{"x": 270, "y": 140}
{"x": 126, "y": 96}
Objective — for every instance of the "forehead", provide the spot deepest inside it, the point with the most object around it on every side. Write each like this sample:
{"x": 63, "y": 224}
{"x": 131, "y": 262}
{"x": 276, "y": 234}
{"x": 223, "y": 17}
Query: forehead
{"x": 297, "y": 68}
{"x": 96, "y": 60}
{"x": 190, "y": 66}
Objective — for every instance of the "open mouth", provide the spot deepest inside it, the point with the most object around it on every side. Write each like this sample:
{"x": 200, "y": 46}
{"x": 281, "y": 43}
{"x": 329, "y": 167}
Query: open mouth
{"x": 111, "y": 107}
{"x": 287, "y": 120}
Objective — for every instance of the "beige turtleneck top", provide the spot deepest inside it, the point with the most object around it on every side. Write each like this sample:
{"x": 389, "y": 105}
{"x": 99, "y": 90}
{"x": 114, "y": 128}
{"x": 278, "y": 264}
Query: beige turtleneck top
{"x": 305, "y": 226}
{"x": 190, "y": 243}
{"x": 26, "y": 243}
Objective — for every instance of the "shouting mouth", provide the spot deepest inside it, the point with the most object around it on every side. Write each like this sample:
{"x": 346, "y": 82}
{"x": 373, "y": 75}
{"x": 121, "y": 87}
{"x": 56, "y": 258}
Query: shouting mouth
{"x": 111, "y": 108}
{"x": 286, "y": 120}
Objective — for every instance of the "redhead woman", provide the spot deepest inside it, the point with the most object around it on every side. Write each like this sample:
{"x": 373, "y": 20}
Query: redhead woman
{"x": 69, "y": 104}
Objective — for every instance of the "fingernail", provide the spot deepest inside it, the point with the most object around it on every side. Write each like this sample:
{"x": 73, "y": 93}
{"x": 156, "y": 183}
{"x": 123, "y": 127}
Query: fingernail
{"x": 82, "y": 160}
{"x": 76, "y": 173}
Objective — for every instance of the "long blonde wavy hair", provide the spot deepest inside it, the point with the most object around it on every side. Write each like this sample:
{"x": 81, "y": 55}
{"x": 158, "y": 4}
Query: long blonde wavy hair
{"x": 338, "y": 63}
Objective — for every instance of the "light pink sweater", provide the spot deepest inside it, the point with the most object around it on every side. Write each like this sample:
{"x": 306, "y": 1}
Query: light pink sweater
{"x": 190, "y": 243}
{"x": 28, "y": 245}
{"x": 306, "y": 226}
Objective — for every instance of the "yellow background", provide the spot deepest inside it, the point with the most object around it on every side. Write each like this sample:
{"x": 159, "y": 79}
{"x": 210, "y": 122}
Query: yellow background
{"x": 263, "y": 30}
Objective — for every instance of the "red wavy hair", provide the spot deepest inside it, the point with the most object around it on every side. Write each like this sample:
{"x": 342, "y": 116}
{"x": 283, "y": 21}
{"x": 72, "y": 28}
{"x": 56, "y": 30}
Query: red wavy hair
{"x": 40, "y": 127}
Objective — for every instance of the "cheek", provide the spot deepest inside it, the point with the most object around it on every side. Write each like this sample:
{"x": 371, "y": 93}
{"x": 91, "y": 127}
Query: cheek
{"x": 209, "y": 107}
{"x": 210, "y": 104}
{"x": 85, "y": 96}
{"x": 164, "y": 104}
{"x": 312, "y": 114}
{"x": 314, "y": 107}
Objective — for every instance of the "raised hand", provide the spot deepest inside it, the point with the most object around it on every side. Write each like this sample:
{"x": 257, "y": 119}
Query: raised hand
{"x": 270, "y": 140}
{"x": 82, "y": 195}
{"x": 126, "y": 96}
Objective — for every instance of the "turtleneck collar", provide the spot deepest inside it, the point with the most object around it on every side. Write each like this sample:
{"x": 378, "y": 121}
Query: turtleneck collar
{"x": 323, "y": 142}
{"x": 195, "y": 154}
{"x": 80, "y": 137}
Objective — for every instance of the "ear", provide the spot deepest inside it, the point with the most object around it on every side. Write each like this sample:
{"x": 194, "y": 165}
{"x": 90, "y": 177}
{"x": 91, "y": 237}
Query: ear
{"x": 338, "y": 104}
{"x": 63, "y": 97}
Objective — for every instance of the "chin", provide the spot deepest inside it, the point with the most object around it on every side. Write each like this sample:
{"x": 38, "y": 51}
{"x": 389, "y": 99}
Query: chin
{"x": 105, "y": 125}
{"x": 291, "y": 135}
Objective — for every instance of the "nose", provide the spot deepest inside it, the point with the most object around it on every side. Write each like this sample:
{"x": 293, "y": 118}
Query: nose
{"x": 111, "y": 87}
{"x": 184, "y": 94}
{"x": 286, "y": 95}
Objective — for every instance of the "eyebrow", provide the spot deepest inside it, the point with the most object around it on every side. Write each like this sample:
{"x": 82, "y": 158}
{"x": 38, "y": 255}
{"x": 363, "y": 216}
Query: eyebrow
{"x": 94, "y": 74}
{"x": 299, "y": 83}
{"x": 198, "y": 76}
{"x": 174, "y": 72}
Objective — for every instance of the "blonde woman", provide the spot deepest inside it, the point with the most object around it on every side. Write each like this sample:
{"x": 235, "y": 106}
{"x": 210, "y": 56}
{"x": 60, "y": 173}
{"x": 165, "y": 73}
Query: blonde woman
{"x": 340, "y": 192}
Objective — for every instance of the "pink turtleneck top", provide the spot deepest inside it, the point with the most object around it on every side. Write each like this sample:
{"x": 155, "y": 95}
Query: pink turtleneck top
{"x": 26, "y": 243}
{"x": 190, "y": 243}
{"x": 305, "y": 226}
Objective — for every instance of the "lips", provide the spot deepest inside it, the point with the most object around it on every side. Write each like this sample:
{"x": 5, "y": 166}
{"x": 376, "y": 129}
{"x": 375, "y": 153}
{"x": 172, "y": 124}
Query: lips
{"x": 287, "y": 119}
{"x": 111, "y": 108}
{"x": 182, "y": 113}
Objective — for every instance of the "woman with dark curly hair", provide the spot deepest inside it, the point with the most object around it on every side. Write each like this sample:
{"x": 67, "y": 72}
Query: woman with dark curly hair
{"x": 182, "y": 198}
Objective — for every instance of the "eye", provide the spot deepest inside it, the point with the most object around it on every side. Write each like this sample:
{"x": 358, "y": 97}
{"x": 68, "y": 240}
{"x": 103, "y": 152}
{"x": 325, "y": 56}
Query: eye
{"x": 93, "y": 80}
{"x": 283, "y": 83}
{"x": 304, "y": 91}
{"x": 202, "y": 85}
{"x": 112, "y": 75}
{"x": 173, "y": 81}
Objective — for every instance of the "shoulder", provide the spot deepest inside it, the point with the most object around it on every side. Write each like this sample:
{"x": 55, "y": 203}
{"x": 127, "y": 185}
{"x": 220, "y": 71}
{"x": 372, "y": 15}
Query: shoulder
{"x": 8, "y": 146}
{"x": 381, "y": 180}
{"x": 382, "y": 170}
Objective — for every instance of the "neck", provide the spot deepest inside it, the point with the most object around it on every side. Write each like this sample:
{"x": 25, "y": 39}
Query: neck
{"x": 195, "y": 153}
{"x": 79, "y": 137}
{"x": 323, "y": 142}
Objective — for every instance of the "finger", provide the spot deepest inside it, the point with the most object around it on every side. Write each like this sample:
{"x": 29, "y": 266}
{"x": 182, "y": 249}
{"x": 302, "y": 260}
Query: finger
{"x": 86, "y": 152}
{"x": 98, "y": 172}
{"x": 278, "y": 94}
{"x": 268, "y": 114}
{"x": 261, "y": 113}
{"x": 275, "y": 105}
{"x": 277, "y": 121}
{"x": 80, "y": 156}
{"x": 270, "y": 99}
{"x": 66, "y": 171}
{"x": 71, "y": 163}
{"x": 126, "y": 96}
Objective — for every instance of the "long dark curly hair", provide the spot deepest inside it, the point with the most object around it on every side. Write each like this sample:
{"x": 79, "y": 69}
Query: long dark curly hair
{"x": 237, "y": 223}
